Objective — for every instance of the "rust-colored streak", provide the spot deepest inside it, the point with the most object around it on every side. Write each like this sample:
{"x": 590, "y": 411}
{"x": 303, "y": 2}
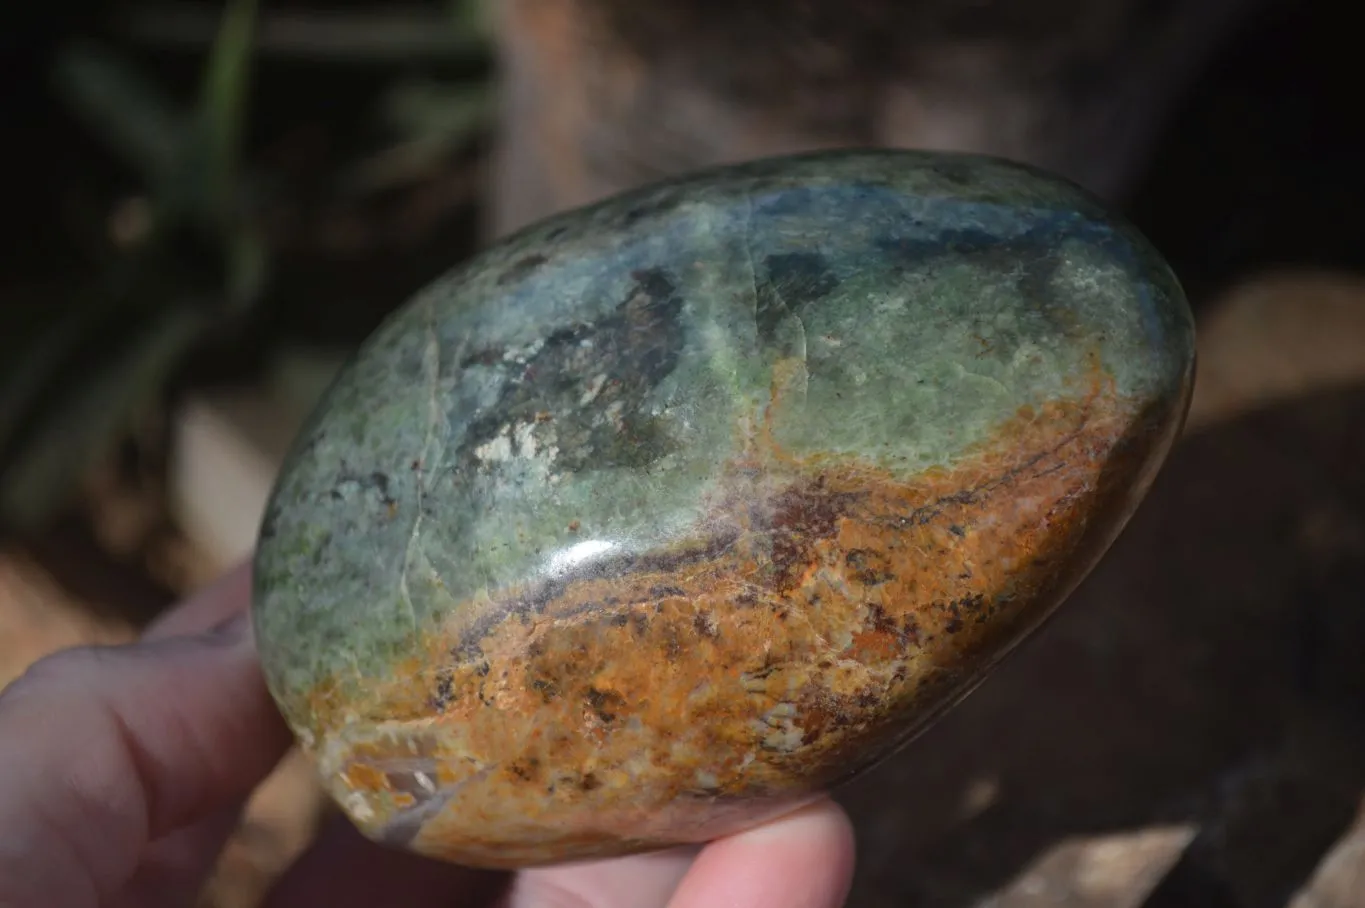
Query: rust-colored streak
{"x": 681, "y": 698}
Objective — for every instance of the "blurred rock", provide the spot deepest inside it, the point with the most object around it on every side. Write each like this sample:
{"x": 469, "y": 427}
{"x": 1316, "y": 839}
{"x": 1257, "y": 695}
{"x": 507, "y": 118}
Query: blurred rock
{"x": 601, "y": 95}
{"x": 1276, "y": 337}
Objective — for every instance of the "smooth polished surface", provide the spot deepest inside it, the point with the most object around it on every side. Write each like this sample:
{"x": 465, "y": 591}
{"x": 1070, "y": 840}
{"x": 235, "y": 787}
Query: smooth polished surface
{"x": 664, "y": 515}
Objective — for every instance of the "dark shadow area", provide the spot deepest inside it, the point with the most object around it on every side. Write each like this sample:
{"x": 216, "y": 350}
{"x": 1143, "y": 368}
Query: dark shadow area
{"x": 1261, "y": 164}
{"x": 1208, "y": 672}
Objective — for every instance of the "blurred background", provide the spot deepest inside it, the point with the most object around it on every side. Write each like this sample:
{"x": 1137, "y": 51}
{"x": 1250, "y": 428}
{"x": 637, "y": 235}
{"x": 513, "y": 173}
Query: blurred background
{"x": 208, "y": 206}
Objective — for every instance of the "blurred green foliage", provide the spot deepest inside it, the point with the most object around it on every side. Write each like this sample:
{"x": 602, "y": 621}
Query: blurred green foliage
{"x": 191, "y": 253}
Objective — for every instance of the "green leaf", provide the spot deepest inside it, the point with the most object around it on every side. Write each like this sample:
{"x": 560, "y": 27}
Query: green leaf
{"x": 74, "y": 422}
{"x": 222, "y": 105}
{"x": 72, "y": 391}
{"x": 471, "y": 20}
{"x": 432, "y": 121}
{"x": 404, "y": 34}
{"x": 126, "y": 111}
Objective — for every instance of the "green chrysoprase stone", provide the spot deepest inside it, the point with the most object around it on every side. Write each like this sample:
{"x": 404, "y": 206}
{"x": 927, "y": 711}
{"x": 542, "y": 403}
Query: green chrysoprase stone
{"x": 665, "y": 515}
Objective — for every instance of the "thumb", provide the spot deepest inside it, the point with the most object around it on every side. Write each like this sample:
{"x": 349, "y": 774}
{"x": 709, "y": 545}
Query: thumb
{"x": 104, "y": 750}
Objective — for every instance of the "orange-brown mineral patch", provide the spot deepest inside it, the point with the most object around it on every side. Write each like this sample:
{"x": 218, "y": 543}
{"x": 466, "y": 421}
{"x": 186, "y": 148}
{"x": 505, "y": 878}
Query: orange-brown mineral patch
{"x": 819, "y": 621}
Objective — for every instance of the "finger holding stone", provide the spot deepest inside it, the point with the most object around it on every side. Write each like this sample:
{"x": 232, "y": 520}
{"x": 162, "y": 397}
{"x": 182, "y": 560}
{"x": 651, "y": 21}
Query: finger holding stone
{"x": 639, "y": 881}
{"x": 109, "y": 749}
{"x": 803, "y": 860}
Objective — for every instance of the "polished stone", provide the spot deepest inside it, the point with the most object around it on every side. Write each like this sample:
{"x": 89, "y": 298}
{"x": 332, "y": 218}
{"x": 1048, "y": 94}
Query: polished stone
{"x": 663, "y": 516}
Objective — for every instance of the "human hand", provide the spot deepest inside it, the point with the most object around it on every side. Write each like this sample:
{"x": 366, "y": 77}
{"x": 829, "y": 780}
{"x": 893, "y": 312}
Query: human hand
{"x": 123, "y": 770}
